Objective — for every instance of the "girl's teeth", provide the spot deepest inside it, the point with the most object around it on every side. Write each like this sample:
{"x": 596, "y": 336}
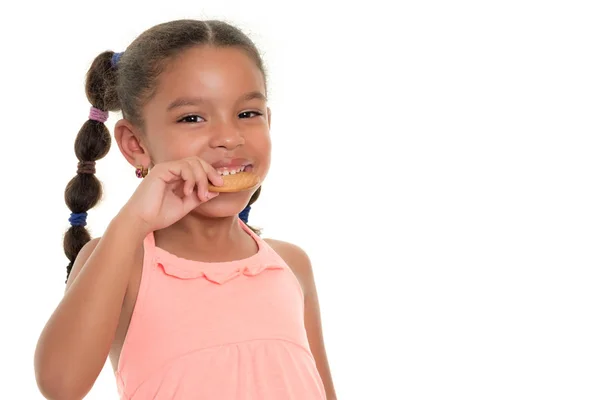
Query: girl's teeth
{"x": 231, "y": 172}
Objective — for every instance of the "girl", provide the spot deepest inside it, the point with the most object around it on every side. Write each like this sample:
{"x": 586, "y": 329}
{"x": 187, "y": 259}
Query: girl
{"x": 186, "y": 299}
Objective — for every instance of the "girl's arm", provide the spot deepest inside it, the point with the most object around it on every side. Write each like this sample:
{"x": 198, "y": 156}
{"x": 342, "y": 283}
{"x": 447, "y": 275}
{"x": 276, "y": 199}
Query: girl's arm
{"x": 75, "y": 343}
{"x": 300, "y": 263}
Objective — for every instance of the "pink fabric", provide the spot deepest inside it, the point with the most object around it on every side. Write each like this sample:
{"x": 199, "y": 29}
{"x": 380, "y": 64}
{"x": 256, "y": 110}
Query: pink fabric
{"x": 230, "y": 330}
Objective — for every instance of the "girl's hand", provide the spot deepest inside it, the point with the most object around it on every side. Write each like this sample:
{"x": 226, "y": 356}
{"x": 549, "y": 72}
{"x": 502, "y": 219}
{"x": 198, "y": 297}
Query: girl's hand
{"x": 170, "y": 191}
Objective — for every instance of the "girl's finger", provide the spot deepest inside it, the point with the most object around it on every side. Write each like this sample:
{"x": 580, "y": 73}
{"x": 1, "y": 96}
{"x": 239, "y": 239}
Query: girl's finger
{"x": 211, "y": 173}
{"x": 184, "y": 171}
{"x": 190, "y": 202}
{"x": 201, "y": 179}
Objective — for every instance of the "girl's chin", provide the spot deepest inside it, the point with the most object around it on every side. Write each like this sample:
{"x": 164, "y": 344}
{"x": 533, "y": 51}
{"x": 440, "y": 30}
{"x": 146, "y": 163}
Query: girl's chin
{"x": 224, "y": 205}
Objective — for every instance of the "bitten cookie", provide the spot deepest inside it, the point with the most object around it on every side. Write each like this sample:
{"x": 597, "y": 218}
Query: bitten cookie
{"x": 236, "y": 182}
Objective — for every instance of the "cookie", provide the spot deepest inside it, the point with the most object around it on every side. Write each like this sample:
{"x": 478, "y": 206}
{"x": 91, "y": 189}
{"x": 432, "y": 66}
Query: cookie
{"x": 236, "y": 182}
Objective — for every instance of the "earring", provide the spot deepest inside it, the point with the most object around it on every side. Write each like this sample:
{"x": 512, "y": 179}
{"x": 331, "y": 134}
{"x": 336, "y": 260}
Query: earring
{"x": 140, "y": 171}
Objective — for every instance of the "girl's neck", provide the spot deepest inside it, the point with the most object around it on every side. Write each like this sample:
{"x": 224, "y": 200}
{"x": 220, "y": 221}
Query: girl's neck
{"x": 202, "y": 239}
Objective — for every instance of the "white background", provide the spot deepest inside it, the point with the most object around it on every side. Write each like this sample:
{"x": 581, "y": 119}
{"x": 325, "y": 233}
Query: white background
{"x": 437, "y": 160}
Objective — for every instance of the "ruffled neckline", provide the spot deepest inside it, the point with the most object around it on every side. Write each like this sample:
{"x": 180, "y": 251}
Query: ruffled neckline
{"x": 216, "y": 272}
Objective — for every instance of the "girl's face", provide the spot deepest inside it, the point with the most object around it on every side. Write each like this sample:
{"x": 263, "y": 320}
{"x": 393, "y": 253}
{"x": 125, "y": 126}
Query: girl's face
{"x": 211, "y": 103}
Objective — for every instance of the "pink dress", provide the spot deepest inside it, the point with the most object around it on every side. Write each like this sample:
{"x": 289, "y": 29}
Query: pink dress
{"x": 228, "y": 330}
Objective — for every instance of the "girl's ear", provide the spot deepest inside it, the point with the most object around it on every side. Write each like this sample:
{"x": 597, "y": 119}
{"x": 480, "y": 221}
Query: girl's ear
{"x": 130, "y": 144}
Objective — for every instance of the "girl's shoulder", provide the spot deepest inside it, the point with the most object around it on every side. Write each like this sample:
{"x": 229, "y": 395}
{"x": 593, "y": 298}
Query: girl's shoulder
{"x": 84, "y": 254}
{"x": 296, "y": 258}
{"x": 82, "y": 257}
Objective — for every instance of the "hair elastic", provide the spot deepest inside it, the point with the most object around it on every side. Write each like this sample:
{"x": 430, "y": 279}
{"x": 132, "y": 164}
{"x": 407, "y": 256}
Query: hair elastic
{"x": 78, "y": 219}
{"x": 97, "y": 114}
{"x": 86, "y": 167}
{"x": 115, "y": 59}
{"x": 244, "y": 214}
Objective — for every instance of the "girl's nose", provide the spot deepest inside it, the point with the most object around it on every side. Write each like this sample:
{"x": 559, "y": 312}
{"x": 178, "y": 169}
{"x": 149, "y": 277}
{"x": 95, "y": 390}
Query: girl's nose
{"x": 227, "y": 136}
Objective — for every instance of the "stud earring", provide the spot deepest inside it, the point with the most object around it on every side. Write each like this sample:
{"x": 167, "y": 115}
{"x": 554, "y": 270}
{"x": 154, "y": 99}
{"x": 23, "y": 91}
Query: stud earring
{"x": 140, "y": 171}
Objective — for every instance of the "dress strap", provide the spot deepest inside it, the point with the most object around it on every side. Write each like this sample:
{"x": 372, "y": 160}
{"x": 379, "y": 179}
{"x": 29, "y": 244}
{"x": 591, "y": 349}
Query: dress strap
{"x": 149, "y": 246}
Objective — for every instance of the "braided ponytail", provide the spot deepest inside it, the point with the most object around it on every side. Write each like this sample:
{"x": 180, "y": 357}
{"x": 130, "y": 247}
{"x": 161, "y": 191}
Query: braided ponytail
{"x": 92, "y": 143}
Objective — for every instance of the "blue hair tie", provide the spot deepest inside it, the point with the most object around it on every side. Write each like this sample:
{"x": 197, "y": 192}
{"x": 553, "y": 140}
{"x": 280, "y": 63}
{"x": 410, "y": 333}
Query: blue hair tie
{"x": 78, "y": 219}
{"x": 244, "y": 214}
{"x": 115, "y": 59}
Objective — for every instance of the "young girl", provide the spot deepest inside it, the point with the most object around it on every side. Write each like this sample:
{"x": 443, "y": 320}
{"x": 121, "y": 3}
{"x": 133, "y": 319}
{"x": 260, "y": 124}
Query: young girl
{"x": 186, "y": 299}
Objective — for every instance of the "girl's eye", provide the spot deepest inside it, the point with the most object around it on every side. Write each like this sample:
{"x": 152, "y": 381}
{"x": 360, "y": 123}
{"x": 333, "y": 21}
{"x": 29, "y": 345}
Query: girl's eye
{"x": 249, "y": 114}
{"x": 191, "y": 119}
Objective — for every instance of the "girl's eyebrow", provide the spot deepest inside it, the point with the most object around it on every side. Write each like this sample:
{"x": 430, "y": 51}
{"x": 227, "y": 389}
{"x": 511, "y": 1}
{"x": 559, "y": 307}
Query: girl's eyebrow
{"x": 185, "y": 101}
{"x": 194, "y": 101}
{"x": 253, "y": 96}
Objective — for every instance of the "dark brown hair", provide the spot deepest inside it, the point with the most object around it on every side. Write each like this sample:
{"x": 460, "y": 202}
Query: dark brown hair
{"x": 126, "y": 87}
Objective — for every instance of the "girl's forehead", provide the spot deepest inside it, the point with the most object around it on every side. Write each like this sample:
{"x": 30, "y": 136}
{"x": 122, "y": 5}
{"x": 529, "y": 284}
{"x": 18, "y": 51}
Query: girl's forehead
{"x": 206, "y": 77}
{"x": 213, "y": 71}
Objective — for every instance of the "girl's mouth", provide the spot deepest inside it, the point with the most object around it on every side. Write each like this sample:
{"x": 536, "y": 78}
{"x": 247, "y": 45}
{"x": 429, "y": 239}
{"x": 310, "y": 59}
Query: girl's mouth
{"x": 224, "y": 171}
